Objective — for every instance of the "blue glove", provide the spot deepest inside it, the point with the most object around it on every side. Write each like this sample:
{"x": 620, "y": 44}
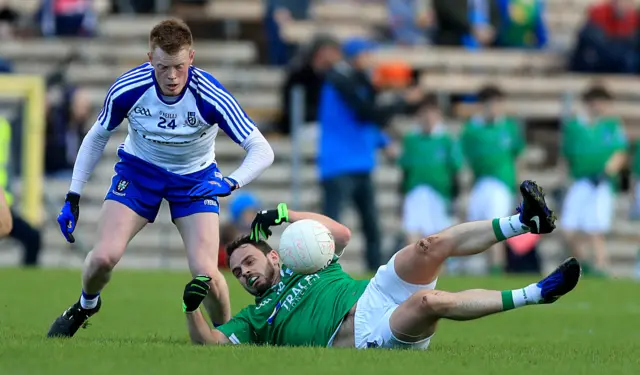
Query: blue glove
{"x": 68, "y": 217}
{"x": 215, "y": 188}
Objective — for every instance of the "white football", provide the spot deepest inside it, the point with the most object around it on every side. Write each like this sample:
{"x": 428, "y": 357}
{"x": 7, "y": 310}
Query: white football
{"x": 306, "y": 246}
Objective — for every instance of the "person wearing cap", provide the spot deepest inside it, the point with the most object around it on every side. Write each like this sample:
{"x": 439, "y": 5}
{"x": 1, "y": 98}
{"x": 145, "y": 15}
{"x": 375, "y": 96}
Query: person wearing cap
{"x": 351, "y": 121}
{"x": 492, "y": 143}
{"x": 594, "y": 148}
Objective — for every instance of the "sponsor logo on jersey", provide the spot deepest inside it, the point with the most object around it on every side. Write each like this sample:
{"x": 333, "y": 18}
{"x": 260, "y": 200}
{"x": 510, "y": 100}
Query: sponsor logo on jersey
{"x": 142, "y": 111}
{"x": 168, "y": 115}
{"x": 295, "y": 294}
{"x": 264, "y": 303}
{"x": 191, "y": 119}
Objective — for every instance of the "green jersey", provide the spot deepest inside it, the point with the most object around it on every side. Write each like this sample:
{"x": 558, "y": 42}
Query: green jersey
{"x": 588, "y": 147}
{"x": 301, "y": 310}
{"x": 430, "y": 159}
{"x": 492, "y": 149}
{"x": 635, "y": 166}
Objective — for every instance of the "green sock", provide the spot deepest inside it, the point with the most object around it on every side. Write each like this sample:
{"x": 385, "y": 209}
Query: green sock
{"x": 507, "y": 227}
{"x": 529, "y": 295}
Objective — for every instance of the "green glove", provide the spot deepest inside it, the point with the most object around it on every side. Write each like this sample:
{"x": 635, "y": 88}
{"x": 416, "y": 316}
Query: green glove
{"x": 268, "y": 218}
{"x": 194, "y": 293}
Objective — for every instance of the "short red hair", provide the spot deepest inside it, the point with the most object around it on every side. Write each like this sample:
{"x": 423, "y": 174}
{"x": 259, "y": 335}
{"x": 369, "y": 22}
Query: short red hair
{"x": 171, "y": 36}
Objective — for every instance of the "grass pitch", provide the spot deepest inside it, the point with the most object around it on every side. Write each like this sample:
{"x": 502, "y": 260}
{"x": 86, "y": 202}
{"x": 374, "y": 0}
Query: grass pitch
{"x": 141, "y": 330}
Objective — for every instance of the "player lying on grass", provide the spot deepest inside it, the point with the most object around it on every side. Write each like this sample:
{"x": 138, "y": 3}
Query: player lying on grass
{"x": 398, "y": 308}
{"x": 174, "y": 112}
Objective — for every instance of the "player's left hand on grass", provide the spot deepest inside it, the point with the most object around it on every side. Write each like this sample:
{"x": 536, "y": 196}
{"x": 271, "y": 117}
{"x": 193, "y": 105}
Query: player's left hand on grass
{"x": 214, "y": 188}
{"x": 268, "y": 218}
{"x": 194, "y": 293}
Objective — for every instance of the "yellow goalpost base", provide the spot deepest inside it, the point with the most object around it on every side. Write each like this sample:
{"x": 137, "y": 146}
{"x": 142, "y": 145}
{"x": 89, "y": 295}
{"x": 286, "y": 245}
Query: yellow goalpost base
{"x": 31, "y": 88}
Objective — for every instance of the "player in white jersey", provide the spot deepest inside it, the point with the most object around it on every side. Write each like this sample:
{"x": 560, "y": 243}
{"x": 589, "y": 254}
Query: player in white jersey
{"x": 174, "y": 112}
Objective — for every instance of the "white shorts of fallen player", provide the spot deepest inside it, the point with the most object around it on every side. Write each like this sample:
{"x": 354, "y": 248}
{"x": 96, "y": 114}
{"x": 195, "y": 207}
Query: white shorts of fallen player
{"x": 588, "y": 208}
{"x": 385, "y": 292}
{"x": 424, "y": 212}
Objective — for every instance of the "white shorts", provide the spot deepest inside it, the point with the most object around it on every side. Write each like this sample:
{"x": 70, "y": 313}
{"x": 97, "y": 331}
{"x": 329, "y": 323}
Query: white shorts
{"x": 385, "y": 292}
{"x": 490, "y": 198}
{"x": 424, "y": 212}
{"x": 588, "y": 208}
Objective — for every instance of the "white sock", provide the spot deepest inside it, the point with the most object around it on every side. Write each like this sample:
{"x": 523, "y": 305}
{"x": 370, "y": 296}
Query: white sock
{"x": 511, "y": 226}
{"x": 529, "y": 295}
{"x": 89, "y": 303}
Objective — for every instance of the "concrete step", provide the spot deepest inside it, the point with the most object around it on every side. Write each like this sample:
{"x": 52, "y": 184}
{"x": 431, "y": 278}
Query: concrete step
{"x": 112, "y": 51}
{"x": 265, "y": 98}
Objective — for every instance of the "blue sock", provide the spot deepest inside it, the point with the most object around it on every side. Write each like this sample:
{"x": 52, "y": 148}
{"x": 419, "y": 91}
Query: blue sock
{"x": 89, "y": 301}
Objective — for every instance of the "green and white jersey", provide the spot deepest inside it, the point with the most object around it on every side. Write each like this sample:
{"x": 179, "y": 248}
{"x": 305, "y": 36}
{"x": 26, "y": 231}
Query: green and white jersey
{"x": 301, "y": 310}
{"x": 492, "y": 149}
{"x": 431, "y": 159}
{"x": 588, "y": 147}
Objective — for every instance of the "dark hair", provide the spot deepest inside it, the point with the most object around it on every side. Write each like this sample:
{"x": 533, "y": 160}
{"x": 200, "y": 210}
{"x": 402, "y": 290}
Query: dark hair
{"x": 490, "y": 92}
{"x": 170, "y": 36}
{"x": 430, "y": 100}
{"x": 596, "y": 92}
{"x": 262, "y": 245}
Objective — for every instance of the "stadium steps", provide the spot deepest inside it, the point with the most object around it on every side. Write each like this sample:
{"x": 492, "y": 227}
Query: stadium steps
{"x": 103, "y": 75}
{"x": 250, "y": 98}
{"x": 128, "y": 27}
{"x": 116, "y": 52}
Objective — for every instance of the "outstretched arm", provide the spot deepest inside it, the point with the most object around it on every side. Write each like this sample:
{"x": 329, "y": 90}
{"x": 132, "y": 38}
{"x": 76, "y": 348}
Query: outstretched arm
{"x": 200, "y": 332}
{"x": 237, "y": 331}
{"x": 341, "y": 234}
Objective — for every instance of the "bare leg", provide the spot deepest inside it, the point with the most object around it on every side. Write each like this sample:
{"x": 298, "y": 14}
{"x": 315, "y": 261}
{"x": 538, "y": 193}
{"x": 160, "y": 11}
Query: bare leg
{"x": 497, "y": 257}
{"x": 113, "y": 237}
{"x": 200, "y": 234}
{"x": 420, "y": 263}
{"x": 601, "y": 257}
{"x": 575, "y": 243}
{"x": 415, "y": 319}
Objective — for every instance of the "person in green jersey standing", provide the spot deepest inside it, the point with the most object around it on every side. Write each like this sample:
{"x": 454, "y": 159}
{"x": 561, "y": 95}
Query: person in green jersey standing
{"x": 430, "y": 161}
{"x": 594, "y": 147}
{"x": 492, "y": 143}
{"x": 398, "y": 308}
{"x": 635, "y": 181}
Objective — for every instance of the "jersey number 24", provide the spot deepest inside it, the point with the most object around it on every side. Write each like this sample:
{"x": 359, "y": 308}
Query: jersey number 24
{"x": 164, "y": 125}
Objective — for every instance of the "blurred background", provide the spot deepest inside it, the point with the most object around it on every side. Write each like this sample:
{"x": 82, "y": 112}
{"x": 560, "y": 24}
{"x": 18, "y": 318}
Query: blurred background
{"x": 397, "y": 117}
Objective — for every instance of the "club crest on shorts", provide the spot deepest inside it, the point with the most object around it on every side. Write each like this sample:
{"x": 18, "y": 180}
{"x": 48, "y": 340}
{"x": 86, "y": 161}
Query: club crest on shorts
{"x": 122, "y": 185}
{"x": 191, "y": 119}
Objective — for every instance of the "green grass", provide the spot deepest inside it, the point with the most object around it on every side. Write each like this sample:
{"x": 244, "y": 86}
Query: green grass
{"x": 141, "y": 330}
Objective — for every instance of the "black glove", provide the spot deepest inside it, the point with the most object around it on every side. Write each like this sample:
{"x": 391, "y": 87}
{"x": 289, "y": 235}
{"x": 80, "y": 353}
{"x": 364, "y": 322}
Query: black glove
{"x": 194, "y": 293}
{"x": 68, "y": 217}
{"x": 265, "y": 219}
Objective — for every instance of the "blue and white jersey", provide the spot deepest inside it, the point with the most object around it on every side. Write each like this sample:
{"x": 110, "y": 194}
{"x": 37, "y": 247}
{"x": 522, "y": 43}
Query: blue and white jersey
{"x": 177, "y": 135}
